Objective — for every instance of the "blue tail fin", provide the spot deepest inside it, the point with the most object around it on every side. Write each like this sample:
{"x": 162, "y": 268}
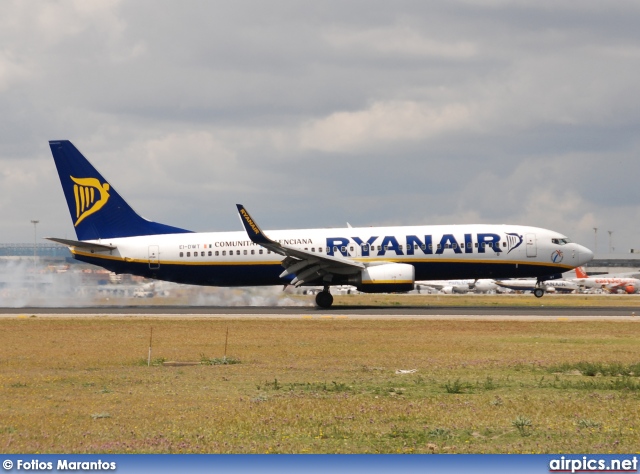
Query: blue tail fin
{"x": 97, "y": 210}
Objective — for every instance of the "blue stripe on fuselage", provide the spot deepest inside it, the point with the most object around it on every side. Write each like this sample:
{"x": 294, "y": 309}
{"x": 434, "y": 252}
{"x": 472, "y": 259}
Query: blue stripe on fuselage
{"x": 253, "y": 274}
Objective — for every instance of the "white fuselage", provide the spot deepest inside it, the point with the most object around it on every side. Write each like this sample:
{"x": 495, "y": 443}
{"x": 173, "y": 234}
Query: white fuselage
{"x": 436, "y": 252}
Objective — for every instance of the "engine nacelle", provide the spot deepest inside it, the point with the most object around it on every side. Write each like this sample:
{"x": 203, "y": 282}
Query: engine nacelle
{"x": 388, "y": 278}
{"x": 630, "y": 289}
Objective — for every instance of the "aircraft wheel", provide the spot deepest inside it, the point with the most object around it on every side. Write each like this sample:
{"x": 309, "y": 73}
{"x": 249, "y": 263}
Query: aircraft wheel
{"x": 324, "y": 299}
{"x": 538, "y": 292}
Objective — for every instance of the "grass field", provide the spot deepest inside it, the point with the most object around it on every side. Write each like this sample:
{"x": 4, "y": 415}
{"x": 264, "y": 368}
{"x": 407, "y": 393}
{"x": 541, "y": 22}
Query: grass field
{"x": 318, "y": 386}
{"x": 515, "y": 300}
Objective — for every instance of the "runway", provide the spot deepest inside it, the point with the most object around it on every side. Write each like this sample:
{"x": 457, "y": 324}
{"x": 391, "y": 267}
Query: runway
{"x": 504, "y": 313}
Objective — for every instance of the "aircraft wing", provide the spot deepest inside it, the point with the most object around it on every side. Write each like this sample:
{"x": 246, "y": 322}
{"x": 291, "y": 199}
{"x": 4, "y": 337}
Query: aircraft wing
{"x": 515, "y": 284}
{"x": 82, "y": 245}
{"x": 305, "y": 266}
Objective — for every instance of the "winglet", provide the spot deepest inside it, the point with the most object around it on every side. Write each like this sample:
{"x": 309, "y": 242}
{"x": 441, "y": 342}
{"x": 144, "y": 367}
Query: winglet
{"x": 255, "y": 233}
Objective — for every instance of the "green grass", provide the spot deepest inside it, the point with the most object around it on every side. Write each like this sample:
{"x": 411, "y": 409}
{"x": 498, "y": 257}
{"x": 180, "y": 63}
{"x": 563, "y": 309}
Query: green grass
{"x": 513, "y": 300}
{"x": 319, "y": 386}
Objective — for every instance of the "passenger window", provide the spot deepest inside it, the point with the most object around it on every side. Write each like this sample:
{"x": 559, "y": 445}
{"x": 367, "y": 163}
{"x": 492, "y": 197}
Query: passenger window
{"x": 245, "y": 252}
{"x": 202, "y": 254}
{"x": 217, "y": 253}
{"x": 182, "y": 254}
{"x": 260, "y": 251}
{"x": 188, "y": 254}
{"x": 224, "y": 252}
{"x": 253, "y": 252}
{"x": 476, "y": 244}
{"x": 313, "y": 249}
{"x": 351, "y": 249}
{"x": 484, "y": 244}
{"x": 439, "y": 246}
{"x": 343, "y": 248}
{"x": 454, "y": 246}
{"x": 504, "y": 244}
{"x": 237, "y": 252}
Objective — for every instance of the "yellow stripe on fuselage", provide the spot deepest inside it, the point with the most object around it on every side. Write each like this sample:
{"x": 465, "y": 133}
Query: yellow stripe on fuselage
{"x": 387, "y": 282}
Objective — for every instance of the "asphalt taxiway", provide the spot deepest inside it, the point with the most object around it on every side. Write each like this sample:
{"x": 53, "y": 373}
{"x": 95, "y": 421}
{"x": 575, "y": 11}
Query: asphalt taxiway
{"x": 350, "y": 312}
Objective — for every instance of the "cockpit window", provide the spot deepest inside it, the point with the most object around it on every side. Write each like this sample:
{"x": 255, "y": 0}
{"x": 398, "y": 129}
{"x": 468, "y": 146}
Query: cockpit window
{"x": 562, "y": 241}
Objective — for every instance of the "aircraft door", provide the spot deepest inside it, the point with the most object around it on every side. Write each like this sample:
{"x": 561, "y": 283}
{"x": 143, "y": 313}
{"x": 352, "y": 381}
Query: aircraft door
{"x": 154, "y": 257}
{"x": 532, "y": 247}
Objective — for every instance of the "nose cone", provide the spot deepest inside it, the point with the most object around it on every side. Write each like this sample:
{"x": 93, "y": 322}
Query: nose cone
{"x": 586, "y": 255}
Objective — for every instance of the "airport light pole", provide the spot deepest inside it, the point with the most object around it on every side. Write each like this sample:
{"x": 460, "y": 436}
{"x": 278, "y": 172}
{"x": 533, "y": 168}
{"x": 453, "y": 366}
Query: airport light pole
{"x": 610, "y": 232}
{"x": 595, "y": 240}
{"x": 35, "y": 247}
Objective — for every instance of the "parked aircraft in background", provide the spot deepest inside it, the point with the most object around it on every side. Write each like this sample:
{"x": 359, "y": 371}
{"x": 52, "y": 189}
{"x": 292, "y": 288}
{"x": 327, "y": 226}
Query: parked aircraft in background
{"x": 459, "y": 286}
{"x": 531, "y": 284}
{"x": 373, "y": 259}
{"x": 608, "y": 282}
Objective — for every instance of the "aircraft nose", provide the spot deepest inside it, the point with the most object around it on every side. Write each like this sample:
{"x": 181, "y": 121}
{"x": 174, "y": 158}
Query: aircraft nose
{"x": 586, "y": 255}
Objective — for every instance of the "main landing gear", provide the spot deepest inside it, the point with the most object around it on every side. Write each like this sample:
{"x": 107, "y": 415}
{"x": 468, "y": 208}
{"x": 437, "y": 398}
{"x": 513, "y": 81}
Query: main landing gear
{"x": 539, "y": 290}
{"x": 324, "y": 298}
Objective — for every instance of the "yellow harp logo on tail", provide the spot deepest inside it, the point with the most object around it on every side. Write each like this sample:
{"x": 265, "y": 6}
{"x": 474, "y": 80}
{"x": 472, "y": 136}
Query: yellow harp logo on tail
{"x": 87, "y": 200}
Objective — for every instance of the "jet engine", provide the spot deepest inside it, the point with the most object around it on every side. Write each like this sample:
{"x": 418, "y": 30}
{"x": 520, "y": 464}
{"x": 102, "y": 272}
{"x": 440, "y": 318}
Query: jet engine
{"x": 455, "y": 290}
{"x": 387, "y": 278}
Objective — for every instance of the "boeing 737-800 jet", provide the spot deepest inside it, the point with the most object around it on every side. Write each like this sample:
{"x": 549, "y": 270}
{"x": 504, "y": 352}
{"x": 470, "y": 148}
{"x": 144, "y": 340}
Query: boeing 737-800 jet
{"x": 374, "y": 259}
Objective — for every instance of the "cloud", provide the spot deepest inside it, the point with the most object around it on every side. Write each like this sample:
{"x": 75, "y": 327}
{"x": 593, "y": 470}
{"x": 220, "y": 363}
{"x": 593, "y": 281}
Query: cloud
{"x": 398, "y": 40}
{"x": 390, "y": 112}
{"x": 382, "y": 122}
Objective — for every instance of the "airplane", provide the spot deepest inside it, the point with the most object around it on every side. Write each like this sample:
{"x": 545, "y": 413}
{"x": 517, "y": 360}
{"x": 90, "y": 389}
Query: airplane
{"x": 609, "y": 282}
{"x": 373, "y": 259}
{"x": 459, "y": 286}
{"x": 531, "y": 284}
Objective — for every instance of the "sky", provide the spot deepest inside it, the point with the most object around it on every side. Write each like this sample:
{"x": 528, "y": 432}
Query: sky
{"x": 315, "y": 114}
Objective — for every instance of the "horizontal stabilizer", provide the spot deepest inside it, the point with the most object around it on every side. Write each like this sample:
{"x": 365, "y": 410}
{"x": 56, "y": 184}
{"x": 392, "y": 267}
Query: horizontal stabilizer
{"x": 82, "y": 245}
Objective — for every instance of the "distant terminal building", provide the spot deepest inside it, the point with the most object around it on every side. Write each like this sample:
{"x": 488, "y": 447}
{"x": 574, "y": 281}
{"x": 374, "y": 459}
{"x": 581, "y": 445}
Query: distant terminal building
{"x": 46, "y": 251}
{"x": 614, "y": 263}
